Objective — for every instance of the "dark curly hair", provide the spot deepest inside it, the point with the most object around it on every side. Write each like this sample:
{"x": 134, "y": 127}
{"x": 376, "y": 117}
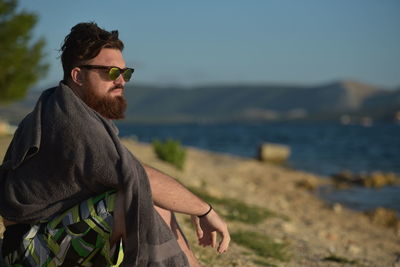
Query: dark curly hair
{"x": 84, "y": 42}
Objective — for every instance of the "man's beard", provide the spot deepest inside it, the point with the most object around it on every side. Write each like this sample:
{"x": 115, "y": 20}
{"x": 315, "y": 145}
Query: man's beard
{"x": 108, "y": 106}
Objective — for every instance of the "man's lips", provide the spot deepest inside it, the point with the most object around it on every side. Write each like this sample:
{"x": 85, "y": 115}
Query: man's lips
{"x": 116, "y": 90}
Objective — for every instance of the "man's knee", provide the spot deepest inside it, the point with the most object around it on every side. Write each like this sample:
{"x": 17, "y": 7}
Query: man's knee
{"x": 166, "y": 215}
{"x": 118, "y": 231}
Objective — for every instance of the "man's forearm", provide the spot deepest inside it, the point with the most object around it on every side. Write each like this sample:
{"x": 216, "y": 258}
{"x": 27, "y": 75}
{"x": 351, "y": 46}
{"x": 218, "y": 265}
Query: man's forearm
{"x": 171, "y": 195}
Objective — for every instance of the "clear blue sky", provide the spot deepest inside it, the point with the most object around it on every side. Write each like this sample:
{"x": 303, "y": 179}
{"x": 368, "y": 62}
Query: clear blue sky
{"x": 219, "y": 41}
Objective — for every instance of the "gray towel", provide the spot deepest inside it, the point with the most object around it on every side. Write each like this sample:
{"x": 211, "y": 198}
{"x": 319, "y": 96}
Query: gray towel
{"x": 64, "y": 152}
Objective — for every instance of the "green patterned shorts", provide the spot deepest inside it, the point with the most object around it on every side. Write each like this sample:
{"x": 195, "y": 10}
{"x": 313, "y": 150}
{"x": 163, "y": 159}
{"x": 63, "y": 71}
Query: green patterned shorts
{"x": 78, "y": 237}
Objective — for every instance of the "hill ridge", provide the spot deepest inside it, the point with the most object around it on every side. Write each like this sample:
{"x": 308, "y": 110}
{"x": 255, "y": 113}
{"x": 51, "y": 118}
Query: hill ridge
{"x": 247, "y": 102}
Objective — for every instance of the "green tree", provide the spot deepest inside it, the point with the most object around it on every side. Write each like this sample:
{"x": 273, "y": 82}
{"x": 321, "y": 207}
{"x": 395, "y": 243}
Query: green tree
{"x": 21, "y": 59}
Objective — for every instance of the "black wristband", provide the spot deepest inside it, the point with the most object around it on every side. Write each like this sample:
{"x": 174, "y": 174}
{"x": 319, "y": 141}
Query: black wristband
{"x": 205, "y": 214}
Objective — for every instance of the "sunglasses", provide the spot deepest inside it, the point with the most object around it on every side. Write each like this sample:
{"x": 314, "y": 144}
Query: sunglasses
{"x": 113, "y": 72}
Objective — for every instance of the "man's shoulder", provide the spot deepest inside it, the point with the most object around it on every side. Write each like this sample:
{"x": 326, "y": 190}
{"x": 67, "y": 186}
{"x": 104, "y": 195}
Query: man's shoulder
{"x": 45, "y": 94}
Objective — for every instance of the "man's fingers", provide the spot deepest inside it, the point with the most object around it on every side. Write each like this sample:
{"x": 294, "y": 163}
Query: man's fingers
{"x": 199, "y": 231}
{"x": 214, "y": 239}
{"x": 196, "y": 223}
{"x": 224, "y": 244}
{"x": 209, "y": 239}
{"x": 211, "y": 226}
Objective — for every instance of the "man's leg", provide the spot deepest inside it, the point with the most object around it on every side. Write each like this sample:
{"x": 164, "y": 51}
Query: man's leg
{"x": 118, "y": 230}
{"x": 168, "y": 217}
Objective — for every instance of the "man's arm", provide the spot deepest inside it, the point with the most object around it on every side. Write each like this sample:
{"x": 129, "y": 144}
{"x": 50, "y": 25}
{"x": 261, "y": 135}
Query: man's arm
{"x": 171, "y": 195}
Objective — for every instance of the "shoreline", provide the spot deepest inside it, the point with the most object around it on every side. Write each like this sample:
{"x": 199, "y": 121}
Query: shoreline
{"x": 311, "y": 230}
{"x": 326, "y": 194}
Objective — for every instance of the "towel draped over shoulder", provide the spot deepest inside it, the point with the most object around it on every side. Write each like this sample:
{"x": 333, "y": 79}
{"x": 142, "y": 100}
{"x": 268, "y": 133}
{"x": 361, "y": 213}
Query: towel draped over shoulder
{"x": 64, "y": 152}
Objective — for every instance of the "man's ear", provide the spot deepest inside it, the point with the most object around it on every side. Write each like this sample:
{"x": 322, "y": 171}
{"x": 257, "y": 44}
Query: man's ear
{"x": 76, "y": 76}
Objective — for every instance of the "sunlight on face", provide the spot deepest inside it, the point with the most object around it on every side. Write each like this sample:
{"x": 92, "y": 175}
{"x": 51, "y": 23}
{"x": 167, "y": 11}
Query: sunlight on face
{"x": 99, "y": 91}
{"x": 97, "y": 81}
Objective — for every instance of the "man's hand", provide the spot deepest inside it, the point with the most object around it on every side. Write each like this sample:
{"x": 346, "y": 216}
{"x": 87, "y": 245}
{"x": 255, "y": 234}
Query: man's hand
{"x": 207, "y": 228}
{"x": 171, "y": 195}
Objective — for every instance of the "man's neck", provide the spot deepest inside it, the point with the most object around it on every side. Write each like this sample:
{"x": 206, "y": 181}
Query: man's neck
{"x": 75, "y": 88}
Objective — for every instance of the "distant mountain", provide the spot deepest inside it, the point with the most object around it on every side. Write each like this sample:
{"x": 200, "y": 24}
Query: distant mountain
{"x": 261, "y": 102}
{"x": 248, "y": 103}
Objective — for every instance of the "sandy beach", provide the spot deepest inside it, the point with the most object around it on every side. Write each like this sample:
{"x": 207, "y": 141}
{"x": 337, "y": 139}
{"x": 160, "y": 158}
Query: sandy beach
{"x": 292, "y": 227}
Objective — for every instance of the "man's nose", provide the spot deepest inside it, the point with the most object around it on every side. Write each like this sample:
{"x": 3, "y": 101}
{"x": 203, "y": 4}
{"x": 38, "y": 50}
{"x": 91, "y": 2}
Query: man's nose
{"x": 120, "y": 80}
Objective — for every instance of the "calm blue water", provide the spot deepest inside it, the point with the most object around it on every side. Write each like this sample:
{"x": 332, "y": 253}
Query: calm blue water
{"x": 320, "y": 148}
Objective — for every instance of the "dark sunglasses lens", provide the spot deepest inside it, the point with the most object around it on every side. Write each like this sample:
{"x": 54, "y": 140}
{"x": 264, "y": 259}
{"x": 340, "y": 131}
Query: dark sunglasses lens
{"x": 127, "y": 74}
{"x": 114, "y": 73}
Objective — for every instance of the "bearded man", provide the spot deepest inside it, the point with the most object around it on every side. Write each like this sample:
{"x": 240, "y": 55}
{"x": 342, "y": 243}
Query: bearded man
{"x": 72, "y": 195}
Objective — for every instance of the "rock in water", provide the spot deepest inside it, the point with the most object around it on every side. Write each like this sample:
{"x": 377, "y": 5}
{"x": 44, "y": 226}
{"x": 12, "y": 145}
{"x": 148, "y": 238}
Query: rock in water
{"x": 380, "y": 179}
{"x": 377, "y": 179}
{"x": 275, "y": 153}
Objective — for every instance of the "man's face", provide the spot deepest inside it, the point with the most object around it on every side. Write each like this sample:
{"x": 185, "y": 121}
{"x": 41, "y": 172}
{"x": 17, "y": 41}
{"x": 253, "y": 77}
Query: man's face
{"x": 99, "y": 91}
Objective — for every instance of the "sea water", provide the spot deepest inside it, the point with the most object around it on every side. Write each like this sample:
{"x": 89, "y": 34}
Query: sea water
{"x": 320, "y": 148}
